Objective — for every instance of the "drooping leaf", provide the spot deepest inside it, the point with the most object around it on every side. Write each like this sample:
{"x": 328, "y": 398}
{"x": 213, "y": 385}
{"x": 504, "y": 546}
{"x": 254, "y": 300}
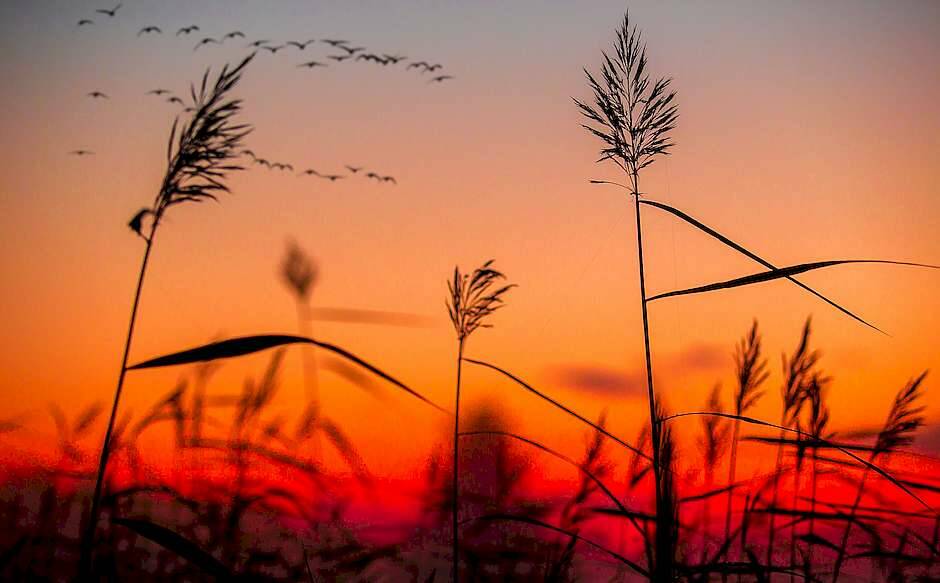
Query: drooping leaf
{"x": 241, "y": 346}
{"x": 708, "y": 230}
{"x": 177, "y": 545}
{"x": 778, "y": 273}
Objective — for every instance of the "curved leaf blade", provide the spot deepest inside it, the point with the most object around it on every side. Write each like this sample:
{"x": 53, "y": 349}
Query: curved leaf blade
{"x": 713, "y": 233}
{"x": 244, "y": 345}
{"x": 177, "y": 545}
{"x": 778, "y": 273}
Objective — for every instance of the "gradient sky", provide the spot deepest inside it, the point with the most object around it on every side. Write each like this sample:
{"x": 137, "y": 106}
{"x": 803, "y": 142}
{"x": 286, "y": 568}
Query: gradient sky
{"x": 807, "y": 131}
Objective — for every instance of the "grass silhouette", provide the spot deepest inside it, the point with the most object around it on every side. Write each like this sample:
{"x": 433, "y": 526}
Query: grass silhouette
{"x": 258, "y": 502}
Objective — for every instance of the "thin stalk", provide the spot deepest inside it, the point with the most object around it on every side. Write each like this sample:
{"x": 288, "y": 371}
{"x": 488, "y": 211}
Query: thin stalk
{"x": 843, "y": 545}
{"x": 771, "y": 533}
{"x": 455, "y": 492}
{"x": 812, "y": 504}
{"x": 85, "y": 562}
{"x": 732, "y": 468}
{"x": 661, "y": 546}
{"x": 309, "y": 368}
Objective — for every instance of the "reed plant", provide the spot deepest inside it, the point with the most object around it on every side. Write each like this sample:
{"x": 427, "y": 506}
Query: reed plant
{"x": 201, "y": 151}
{"x": 471, "y": 300}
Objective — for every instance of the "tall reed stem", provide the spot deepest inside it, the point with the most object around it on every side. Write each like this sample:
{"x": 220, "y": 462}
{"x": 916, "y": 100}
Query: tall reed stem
{"x": 663, "y": 549}
{"x": 88, "y": 537}
{"x": 455, "y": 491}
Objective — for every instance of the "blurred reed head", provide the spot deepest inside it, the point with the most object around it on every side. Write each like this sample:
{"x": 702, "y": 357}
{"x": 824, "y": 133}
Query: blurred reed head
{"x": 299, "y": 271}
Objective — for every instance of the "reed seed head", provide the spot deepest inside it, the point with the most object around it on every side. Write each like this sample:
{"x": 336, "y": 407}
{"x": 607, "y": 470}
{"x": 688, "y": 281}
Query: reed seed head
{"x": 631, "y": 114}
{"x": 472, "y": 298}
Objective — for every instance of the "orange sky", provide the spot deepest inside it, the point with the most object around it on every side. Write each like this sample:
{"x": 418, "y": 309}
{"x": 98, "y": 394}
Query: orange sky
{"x": 807, "y": 132}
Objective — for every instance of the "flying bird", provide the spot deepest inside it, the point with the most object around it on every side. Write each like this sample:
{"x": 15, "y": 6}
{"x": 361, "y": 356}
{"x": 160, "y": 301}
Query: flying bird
{"x": 354, "y": 169}
{"x": 81, "y": 153}
{"x": 111, "y": 12}
{"x": 309, "y": 172}
{"x": 84, "y": 21}
{"x": 149, "y": 29}
{"x": 440, "y": 78}
{"x": 98, "y": 95}
{"x": 262, "y": 162}
{"x": 339, "y": 58}
{"x": 434, "y": 67}
{"x": 351, "y": 50}
{"x": 250, "y": 153}
{"x": 158, "y": 92}
{"x": 206, "y": 41}
{"x": 187, "y": 30}
{"x": 258, "y": 43}
{"x": 335, "y": 43}
{"x": 234, "y": 34}
{"x": 394, "y": 59}
{"x": 176, "y": 100}
{"x": 301, "y": 45}
{"x": 311, "y": 64}
{"x": 417, "y": 64}
{"x": 331, "y": 177}
{"x": 389, "y": 179}
{"x": 373, "y": 175}
{"x": 273, "y": 50}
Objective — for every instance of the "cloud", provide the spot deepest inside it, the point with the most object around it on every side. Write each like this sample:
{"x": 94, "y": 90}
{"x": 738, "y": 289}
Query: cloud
{"x": 599, "y": 380}
{"x": 700, "y": 357}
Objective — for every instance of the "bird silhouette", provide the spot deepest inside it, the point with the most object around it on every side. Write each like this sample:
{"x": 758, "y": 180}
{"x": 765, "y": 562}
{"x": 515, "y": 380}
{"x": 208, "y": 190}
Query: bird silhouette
{"x": 84, "y": 21}
{"x": 432, "y": 68}
{"x": 301, "y": 45}
{"x": 417, "y": 64}
{"x": 351, "y": 50}
{"x": 331, "y": 177}
{"x": 273, "y": 50}
{"x": 187, "y": 30}
{"x": 250, "y": 153}
{"x": 150, "y": 29}
{"x": 176, "y": 100}
{"x": 354, "y": 169}
{"x": 440, "y": 79}
{"x": 262, "y": 162}
{"x": 205, "y": 41}
{"x": 111, "y": 12}
{"x": 234, "y": 34}
{"x": 158, "y": 92}
{"x": 311, "y": 64}
{"x": 394, "y": 59}
{"x": 339, "y": 58}
{"x": 81, "y": 153}
{"x": 98, "y": 95}
{"x": 389, "y": 179}
{"x": 258, "y": 43}
{"x": 309, "y": 172}
{"x": 373, "y": 175}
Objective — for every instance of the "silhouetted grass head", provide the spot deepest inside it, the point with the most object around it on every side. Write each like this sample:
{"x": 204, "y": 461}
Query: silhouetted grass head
{"x": 904, "y": 419}
{"x": 472, "y": 298}
{"x": 631, "y": 114}
{"x": 751, "y": 371}
{"x": 299, "y": 271}
{"x": 799, "y": 370}
{"x": 203, "y": 149}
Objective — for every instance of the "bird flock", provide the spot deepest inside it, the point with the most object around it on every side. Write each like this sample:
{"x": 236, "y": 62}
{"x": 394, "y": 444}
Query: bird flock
{"x": 339, "y": 51}
{"x": 286, "y": 167}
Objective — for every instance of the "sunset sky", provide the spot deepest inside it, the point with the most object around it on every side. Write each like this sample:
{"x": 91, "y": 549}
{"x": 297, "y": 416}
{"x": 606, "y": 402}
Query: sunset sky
{"x": 807, "y": 131}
